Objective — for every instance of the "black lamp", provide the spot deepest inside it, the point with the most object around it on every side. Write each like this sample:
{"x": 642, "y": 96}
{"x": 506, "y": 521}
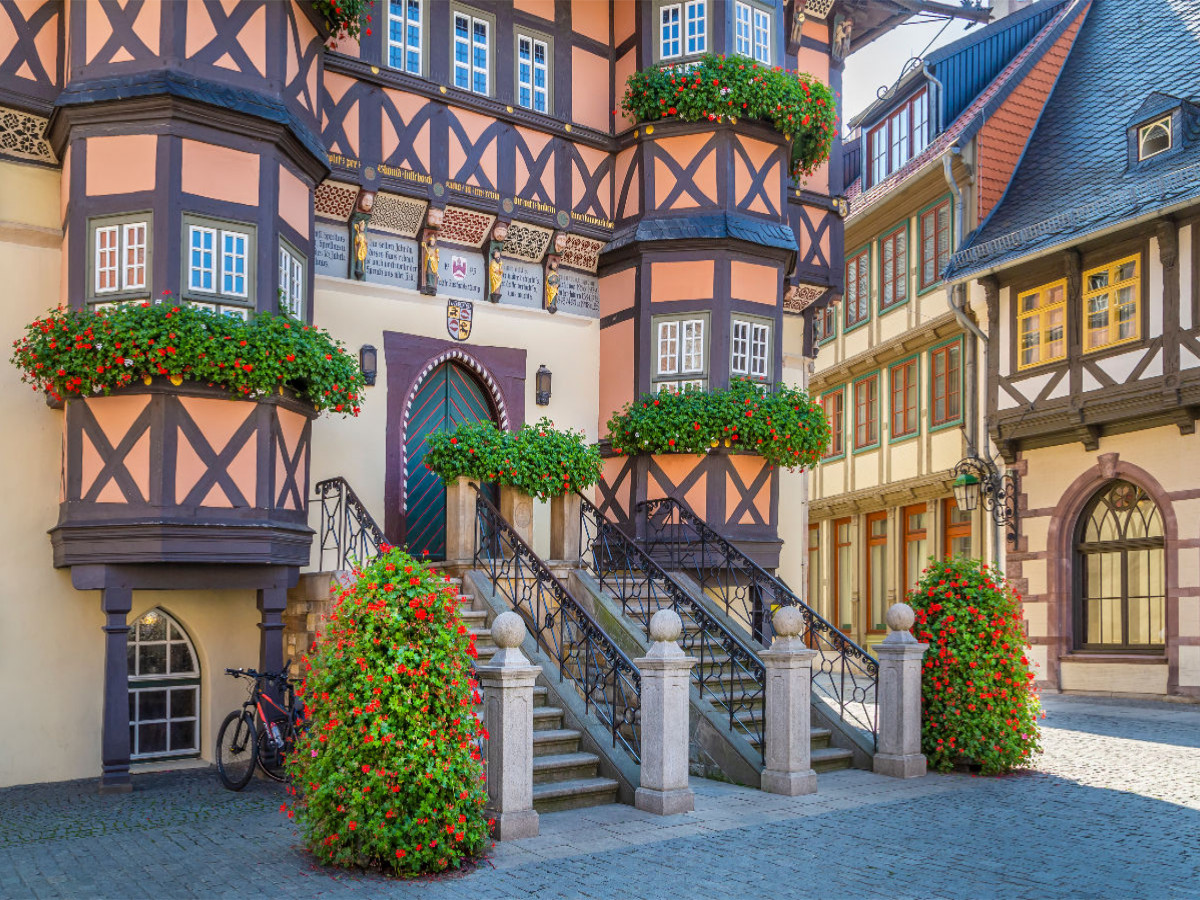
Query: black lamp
{"x": 368, "y": 361}
{"x": 542, "y": 394}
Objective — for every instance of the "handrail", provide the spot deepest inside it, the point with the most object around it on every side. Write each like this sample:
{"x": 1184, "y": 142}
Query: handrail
{"x": 604, "y": 676}
{"x": 346, "y": 530}
{"x": 844, "y": 674}
{"x": 729, "y": 673}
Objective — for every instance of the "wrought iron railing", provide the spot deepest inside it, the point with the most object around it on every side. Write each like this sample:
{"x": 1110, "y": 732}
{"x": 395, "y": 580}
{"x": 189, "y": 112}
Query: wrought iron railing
{"x": 347, "y": 533}
{"x": 606, "y": 679}
{"x": 845, "y": 676}
{"x": 728, "y": 672}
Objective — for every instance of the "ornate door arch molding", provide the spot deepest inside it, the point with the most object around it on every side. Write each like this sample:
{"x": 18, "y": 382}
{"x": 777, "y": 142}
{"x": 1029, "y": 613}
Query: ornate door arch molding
{"x": 409, "y": 358}
{"x": 1061, "y": 557}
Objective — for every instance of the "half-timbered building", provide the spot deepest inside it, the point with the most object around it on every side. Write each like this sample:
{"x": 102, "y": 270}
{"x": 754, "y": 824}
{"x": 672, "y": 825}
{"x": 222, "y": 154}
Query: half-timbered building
{"x": 1085, "y": 272}
{"x": 897, "y": 360}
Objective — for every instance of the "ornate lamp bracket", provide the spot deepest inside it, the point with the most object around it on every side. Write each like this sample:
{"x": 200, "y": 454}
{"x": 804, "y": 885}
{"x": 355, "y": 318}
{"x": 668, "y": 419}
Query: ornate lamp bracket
{"x": 998, "y": 492}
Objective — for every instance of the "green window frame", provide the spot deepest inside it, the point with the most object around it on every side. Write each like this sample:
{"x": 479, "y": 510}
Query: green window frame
{"x": 866, "y": 412}
{"x": 824, "y": 323}
{"x": 904, "y": 383}
{"x": 893, "y": 268}
{"x": 681, "y": 343}
{"x": 119, "y": 257}
{"x": 934, "y": 226}
{"x": 945, "y": 385}
{"x": 219, "y": 264}
{"x": 858, "y": 290}
{"x": 834, "y": 405}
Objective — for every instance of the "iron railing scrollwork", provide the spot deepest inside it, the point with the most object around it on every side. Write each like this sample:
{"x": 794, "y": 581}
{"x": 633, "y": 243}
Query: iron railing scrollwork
{"x": 606, "y": 679}
{"x": 728, "y": 672}
{"x": 347, "y": 532}
{"x": 845, "y": 676}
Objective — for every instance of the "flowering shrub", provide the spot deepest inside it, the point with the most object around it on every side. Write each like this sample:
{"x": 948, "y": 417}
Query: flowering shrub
{"x": 719, "y": 88}
{"x": 346, "y": 18}
{"x": 388, "y": 773}
{"x": 539, "y": 459}
{"x": 83, "y": 352}
{"x": 979, "y": 701}
{"x": 785, "y": 427}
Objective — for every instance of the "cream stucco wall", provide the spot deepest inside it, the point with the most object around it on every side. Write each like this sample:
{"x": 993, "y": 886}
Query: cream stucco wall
{"x": 358, "y": 313}
{"x": 794, "y": 486}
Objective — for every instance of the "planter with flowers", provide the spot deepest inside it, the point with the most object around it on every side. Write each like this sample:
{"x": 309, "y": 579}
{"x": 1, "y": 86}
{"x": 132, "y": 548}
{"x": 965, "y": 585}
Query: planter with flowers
{"x": 186, "y": 433}
{"x": 537, "y": 461}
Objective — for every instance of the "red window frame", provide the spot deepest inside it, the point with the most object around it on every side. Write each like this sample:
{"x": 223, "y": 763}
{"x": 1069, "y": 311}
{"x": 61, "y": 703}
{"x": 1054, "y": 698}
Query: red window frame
{"x": 893, "y": 276}
{"x": 858, "y": 288}
{"x": 946, "y": 386}
{"x": 932, "y": 244}
{"x": 824, "y": 323}
{"x": 837, "y": 421}
{"x": 881, "y": 139}
{"x": 906, "y": 401}
{"x": 866, "y": 412}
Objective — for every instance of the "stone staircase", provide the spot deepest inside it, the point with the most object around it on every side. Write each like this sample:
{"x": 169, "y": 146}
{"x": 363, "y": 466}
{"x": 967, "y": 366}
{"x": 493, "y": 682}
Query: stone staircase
{"x": 738, "y": 687}
{"x": 564, "y": 776}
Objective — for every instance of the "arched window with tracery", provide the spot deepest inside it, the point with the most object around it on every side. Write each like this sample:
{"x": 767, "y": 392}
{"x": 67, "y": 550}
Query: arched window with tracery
{"x": 164, "y": 689}
{"x": 1121, "y": 593}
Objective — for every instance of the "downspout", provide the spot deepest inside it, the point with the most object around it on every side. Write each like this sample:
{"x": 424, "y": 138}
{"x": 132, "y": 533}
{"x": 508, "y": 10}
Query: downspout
{"x": 937, "y": 106}
{"x": 956, "y": 297}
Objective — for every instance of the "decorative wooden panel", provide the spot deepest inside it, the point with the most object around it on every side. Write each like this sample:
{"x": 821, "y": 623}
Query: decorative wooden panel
{"x": 758, "y": 176}
{"x": 29, "y": 63}
{"x": 684, "y": 171}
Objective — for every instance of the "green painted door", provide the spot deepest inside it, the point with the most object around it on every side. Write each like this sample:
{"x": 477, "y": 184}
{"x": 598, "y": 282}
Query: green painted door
{"x": 449, "y": 396}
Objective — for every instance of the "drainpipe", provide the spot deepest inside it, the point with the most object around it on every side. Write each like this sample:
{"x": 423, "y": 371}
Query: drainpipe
{"x": 956, "y": 297}
{"x": 937, "y": 105}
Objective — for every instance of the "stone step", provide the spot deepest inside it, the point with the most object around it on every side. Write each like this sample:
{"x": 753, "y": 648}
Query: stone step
{"x": 554, "y": 741}
{"x": 577, "y": 794}
{"x": 830, "y": 759}
{"x": 473, "y": 618}
{"x": 559, "y": 767}
{"x": 547, "y": 718}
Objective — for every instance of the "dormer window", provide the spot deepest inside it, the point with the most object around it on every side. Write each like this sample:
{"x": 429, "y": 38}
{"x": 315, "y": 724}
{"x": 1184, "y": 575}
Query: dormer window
{"x": 900, "y": 137}
{"x": 1154, "y": 138}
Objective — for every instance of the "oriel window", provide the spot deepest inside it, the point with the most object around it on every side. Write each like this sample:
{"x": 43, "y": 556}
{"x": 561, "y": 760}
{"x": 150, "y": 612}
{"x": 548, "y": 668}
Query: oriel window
{"x": 1042, "y": 324}
{"x": 120, "y": 261}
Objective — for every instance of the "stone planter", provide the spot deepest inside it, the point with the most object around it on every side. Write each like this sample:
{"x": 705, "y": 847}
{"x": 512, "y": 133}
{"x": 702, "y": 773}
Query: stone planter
{"x": 460, "y": 522}
{"x": 565, "y": 540}
{"x": 517, "y": 509}
{"x": 162, "y": 473}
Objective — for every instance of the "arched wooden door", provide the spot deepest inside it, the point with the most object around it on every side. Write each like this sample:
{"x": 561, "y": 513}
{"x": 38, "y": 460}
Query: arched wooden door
{"x": 448, "y": 396}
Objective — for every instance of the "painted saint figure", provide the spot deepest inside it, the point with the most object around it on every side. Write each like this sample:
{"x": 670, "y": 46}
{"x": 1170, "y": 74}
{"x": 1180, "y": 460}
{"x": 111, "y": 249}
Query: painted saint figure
{"x": 552, "y": 287}
{"x": 360, "y": 248}
{"x": 495, "y": 276}
{"x": 429, "y": 249}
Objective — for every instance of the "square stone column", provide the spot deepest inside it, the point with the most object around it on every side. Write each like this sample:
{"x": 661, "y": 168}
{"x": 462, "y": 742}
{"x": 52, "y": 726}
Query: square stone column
{"x": 787, "y": 756}
{"x": 507, "y": 682}
{"x": 665, "y": 672}
{"x": 898, "y": 696}
{"x": 114, "y": 739}
{"x": 565, "y": 528}
{"x": 516, "y": 507}
{"x": 460, "y": 522}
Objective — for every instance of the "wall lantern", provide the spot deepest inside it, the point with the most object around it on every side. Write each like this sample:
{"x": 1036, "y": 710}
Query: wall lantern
{"x": 966, "y": 492}
{"x": 368, "y": 361}
{"x": 542, "y": 394}
{"x": 977, "y": 480}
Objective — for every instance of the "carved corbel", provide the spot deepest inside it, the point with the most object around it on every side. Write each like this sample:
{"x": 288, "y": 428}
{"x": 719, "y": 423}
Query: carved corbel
{"x": 1168, "y": 243}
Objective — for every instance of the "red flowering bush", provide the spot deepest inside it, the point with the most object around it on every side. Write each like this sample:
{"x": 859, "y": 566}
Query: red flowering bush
{"x": 783, "y": 426}
{"x": 719, "y": 88}
{"x": 82, "y": 352}
{"x": 388, "y": 772}
{"x": 346, "y": 18}
{"x": 979, "y": 702}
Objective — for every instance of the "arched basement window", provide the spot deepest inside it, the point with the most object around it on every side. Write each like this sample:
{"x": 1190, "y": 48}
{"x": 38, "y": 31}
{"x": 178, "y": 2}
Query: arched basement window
{"x": 1121, "y": 592}
{"x": 164, "y": 689}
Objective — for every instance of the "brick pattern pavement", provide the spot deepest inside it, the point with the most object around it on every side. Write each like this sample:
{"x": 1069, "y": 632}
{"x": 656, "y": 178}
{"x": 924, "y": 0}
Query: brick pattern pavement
{"x": 1113, "y": 810}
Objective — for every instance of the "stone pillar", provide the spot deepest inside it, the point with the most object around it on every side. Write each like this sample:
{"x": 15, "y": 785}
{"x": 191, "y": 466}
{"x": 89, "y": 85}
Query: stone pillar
{"x": 665, "y": 672}
{"x": 114, "y": 742}
{"x": 898, "y": 693}
{"x": 565, "y": 528}
{"x": 516, "y": 507}
{"x": 788, "y": 712}
{"x": 271, "y": 605}
{"x": 460, "y": 522}
{"x": 507, "y": 682}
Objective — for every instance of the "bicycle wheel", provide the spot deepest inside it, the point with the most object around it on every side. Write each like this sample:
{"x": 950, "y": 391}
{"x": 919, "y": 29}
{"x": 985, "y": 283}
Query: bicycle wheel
{"x": 237, "y": 749}
{"x": 273, "y": 759}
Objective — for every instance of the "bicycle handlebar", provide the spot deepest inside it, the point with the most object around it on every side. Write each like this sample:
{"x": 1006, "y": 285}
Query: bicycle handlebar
{"x": 281, "y": 676}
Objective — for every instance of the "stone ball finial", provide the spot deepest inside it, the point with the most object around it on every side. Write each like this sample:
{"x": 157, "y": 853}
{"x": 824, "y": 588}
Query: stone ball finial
{"x": 665, "y": 625}
{"x": 788, "y": 622}
{"x": 508, "y": 630}
{"x": 900, "y": 617}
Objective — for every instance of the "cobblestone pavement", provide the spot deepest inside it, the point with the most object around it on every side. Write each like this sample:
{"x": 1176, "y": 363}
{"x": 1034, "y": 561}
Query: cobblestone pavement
{"x": 1112, "y": 810}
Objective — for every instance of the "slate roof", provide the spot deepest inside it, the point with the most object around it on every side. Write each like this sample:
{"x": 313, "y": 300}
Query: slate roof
{"x": 711, "y": 225}
{"x": 1075, "y": 179}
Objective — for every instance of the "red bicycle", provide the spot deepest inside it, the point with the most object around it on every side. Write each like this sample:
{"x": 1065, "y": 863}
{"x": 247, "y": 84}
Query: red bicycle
{"x": 263, "y": 732}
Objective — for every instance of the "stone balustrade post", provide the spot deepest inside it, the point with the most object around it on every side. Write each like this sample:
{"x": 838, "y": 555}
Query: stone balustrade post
{"x": 460, "y": 522}
{"x": 507, "y": 681}
{"x": 565, "y": 528}
{"x": 898, "y": 752}
{"x": 788, "y": 708}
{"x": 665, "y": 673}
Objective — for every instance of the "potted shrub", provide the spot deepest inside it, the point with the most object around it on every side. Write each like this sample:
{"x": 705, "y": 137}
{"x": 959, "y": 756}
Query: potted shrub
{"x": 388, "y": 774}
{"x": 472, "y": 452}
{"x": 979, "y": 703}
{"x": 154, "y": 450}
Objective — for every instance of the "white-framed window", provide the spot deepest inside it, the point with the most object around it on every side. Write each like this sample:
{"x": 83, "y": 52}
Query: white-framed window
{"x": 743, "y": 29}
{"x": 680, "y": 360}
{"x": 750, "y": 346}
{"x": 670, "y": 44}
{"x": 697, "y": 27}
{"x": 218, "y": 260}
{"x": 120, "y": 256}
{"x": 291, "y": 282}
{"x": 533, "y": 73}
{"x": 404, "y": 35}
{"x": 472, "y": 53}
{"x": 164, "y": 689}
{"x": 762, "y": 36}
{"x": 1154, "y": 138}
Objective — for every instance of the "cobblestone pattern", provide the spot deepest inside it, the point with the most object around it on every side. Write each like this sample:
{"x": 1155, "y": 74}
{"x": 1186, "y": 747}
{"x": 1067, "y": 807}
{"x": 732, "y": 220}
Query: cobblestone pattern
{"x": 1113, "y": 810}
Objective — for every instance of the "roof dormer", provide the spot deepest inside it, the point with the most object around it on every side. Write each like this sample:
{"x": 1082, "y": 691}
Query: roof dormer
{"x": 1159, "y": 129}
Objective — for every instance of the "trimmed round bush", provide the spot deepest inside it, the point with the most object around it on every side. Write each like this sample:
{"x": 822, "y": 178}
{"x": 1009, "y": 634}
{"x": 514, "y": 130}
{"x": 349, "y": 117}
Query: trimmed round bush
{"x": 978, "y": 697}
{"x": 388, "y": 772}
